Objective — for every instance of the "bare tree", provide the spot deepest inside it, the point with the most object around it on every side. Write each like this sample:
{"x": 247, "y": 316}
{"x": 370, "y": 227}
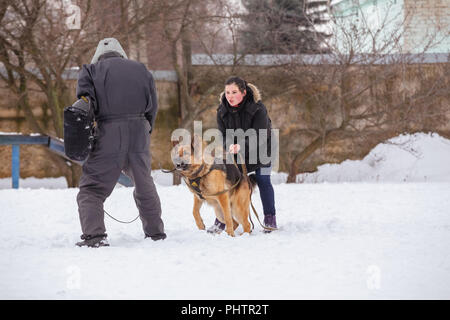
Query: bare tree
{"x": 35, "y": 50}
{"x": 363, "y": 92}
{"x": 38, "y": 50}
{"x": 188, "y": 24}
{"x": 199, "y": 26}
{"x": 42, "y": 41}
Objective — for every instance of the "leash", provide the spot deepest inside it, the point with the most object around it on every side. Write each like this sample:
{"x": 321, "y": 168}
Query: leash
{"x": 167, "y": 171}
{"x": 131, "y": 221}
{"x": 245, "y": 174}
{"x": 244, "y": 171}
{"x": 120, "y": 221}
{"x": 191, "y": 186}
{"x": 213, "y": 194}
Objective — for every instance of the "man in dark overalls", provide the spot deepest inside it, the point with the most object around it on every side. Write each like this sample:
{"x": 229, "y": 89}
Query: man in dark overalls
{"x": 124, "y": 95}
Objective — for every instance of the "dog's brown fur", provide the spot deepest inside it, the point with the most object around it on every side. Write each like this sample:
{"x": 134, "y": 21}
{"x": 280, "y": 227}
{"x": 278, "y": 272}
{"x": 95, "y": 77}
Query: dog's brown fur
{"x": 232, "y": 207}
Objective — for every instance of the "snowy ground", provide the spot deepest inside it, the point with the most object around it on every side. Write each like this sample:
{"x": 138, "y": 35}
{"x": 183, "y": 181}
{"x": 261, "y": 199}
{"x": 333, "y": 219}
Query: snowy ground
{"x": 355, "y": 240}
{"x": 358, "y": 240}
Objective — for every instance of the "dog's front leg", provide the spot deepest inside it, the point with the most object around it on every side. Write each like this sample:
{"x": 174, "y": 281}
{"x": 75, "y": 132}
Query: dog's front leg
{"x": 196, "y": 212}
{"x": 224, "y": 202}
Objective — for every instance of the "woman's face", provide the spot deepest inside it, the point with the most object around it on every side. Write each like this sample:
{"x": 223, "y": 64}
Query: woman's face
{"x": 233, "y": 94}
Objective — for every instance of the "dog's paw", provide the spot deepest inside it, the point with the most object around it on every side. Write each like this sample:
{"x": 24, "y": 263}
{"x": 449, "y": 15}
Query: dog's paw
{"x": 230, "y": 233}
{"x": 201, "y": 225}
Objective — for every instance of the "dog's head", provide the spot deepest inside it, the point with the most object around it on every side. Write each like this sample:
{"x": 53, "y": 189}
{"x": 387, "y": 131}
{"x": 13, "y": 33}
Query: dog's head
{"x": 187, "y": 156}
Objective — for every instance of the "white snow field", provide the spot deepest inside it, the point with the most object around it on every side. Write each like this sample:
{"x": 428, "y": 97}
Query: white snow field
{"x": 347, "y": 240}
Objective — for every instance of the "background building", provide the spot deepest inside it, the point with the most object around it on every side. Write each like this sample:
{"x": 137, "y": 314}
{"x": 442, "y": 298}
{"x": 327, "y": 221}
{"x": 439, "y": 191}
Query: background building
{"x": 408, "y": 26}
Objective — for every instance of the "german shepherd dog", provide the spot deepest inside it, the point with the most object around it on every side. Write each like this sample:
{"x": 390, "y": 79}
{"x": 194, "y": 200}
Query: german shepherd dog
{"x": 222, "y": 186}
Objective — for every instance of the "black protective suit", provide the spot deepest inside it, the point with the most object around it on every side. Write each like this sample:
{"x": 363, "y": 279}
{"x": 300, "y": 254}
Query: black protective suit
{"x": 124, "y": 94}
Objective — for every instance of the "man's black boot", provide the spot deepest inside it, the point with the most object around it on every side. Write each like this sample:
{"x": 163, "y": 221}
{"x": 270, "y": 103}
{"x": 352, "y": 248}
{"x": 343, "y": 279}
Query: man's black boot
{"x": 95, "y": 241}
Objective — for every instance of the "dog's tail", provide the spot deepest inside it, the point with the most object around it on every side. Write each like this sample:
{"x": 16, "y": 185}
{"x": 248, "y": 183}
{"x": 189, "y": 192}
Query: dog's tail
{"x": 252, "y": 179}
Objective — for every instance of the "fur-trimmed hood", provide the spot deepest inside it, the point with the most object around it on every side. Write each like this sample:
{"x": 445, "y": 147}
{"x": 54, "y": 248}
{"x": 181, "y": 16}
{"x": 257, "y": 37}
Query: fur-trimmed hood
{"x": 255, "y": 93}
{"x": 250, "y": 114}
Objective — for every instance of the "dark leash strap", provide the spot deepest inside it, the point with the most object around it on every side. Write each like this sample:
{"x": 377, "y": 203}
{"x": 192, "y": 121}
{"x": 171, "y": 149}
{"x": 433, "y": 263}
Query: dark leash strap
{"x": 196, "y": 188}
{"x": 244, "y": 171}
{"x": 195, "y": 183}
{"x": 120, "y": 221}
{"x": 115, "y": 118}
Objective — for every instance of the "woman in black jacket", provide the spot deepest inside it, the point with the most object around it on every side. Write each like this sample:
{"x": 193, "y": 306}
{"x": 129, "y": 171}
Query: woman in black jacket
{"x": 241, "y": 108}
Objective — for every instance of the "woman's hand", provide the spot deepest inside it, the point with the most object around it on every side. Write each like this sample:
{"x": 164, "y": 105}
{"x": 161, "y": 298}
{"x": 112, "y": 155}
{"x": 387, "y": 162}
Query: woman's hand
{"x": 234, "y": 148}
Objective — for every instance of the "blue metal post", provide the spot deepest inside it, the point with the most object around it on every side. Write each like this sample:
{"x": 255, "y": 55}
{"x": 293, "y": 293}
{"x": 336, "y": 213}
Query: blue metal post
{"x": 15, "y": 169}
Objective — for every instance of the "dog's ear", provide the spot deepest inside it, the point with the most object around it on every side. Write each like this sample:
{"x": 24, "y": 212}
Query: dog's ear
{"x": 175, "y": 142}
